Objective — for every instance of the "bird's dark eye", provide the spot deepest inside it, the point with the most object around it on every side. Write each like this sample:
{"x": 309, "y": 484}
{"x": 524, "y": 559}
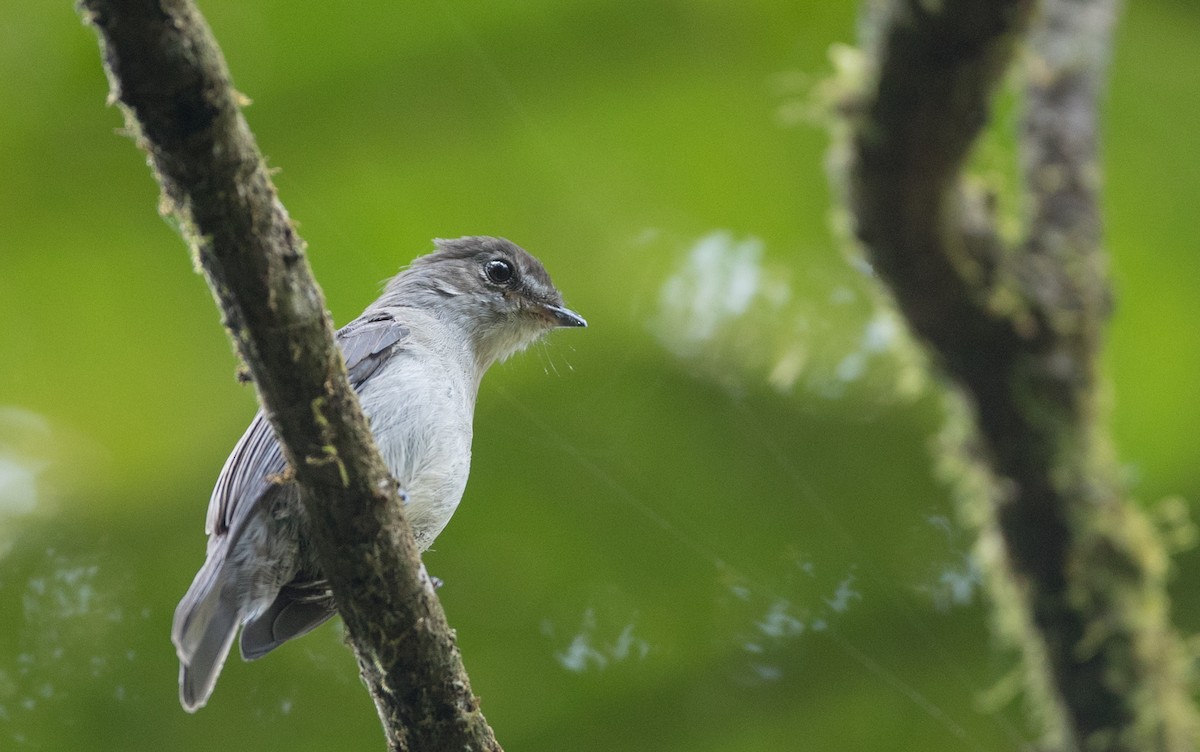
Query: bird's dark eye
{"x": 498, "y": 271}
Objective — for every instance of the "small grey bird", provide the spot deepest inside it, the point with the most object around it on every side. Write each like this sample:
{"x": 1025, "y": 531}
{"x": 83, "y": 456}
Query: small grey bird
{"x": 416, "y": 357}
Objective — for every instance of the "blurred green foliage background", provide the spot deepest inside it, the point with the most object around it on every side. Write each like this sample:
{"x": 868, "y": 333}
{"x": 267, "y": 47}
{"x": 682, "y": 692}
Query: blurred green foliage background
{"x": 711, "y": 521}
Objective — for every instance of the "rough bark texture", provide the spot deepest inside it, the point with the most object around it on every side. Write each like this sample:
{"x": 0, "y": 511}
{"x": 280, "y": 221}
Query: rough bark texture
{"x": 1019, "y": 331}
{"x": 169, "y": 76}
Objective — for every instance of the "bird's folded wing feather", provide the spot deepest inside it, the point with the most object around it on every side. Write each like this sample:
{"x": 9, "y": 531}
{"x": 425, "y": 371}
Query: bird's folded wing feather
{"x": 366, "y": 344}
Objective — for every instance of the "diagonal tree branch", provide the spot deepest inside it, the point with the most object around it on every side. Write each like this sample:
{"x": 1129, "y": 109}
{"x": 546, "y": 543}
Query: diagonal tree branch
{"x": 1019, "y": 330}
{"x": 168, "y": 75}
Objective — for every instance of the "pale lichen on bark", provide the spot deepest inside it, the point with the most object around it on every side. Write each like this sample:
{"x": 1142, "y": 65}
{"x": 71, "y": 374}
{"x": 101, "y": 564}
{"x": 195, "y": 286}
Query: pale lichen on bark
{"x": 171, "y": 82}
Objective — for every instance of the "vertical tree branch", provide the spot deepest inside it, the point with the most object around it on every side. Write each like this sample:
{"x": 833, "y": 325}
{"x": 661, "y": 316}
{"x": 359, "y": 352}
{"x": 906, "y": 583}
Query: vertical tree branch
{"x": 169, "y": 76}
{"x": 1019, "y": 330}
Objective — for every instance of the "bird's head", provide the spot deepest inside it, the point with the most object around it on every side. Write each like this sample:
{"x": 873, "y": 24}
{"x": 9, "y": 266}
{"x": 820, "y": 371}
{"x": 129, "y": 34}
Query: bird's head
{"x": 491, "y": 288}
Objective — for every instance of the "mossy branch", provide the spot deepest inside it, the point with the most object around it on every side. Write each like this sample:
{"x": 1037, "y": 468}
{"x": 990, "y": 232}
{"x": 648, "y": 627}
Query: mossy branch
{"x": 170, "y": 79}
{"x": 1019, "y": 330}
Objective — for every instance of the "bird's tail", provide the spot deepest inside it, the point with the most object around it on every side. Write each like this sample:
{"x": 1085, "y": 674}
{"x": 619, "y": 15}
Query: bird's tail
{"x": 206, "y": 621}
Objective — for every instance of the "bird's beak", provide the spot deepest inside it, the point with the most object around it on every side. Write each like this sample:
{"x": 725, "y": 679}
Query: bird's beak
{"x": 561, "y": 316}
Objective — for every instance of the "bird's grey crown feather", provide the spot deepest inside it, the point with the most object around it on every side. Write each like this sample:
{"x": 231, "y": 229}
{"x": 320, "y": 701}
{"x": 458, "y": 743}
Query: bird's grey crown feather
{"x": 481, "y": 248}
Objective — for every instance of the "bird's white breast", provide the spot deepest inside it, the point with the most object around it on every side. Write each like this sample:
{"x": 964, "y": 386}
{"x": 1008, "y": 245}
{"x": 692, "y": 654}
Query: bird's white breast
{"x": 420, "y": 405}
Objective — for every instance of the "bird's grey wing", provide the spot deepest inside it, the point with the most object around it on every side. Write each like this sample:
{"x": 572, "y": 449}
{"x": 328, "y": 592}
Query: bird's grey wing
{"x": 257, "y": 459}
{"x": 246, "y": 477}
{"x": 367, "y": 343}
